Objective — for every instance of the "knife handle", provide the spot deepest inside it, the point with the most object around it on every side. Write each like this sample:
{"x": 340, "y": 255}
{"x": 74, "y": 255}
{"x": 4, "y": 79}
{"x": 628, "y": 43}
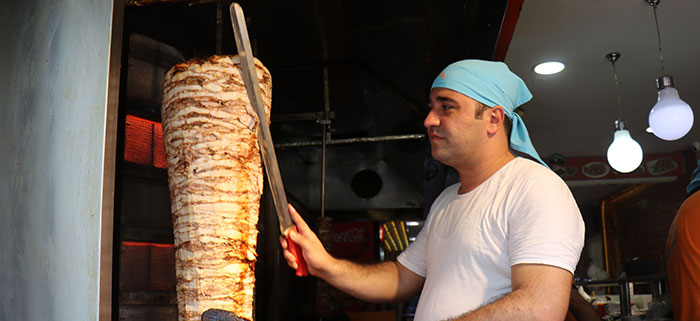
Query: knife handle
{"x": 296, "y": 251}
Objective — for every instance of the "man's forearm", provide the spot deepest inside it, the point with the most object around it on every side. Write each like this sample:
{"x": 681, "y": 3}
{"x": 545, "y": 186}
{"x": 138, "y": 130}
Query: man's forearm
{"x": 581, "y": 309}
{"x": 540, "y": 292}
{"x": 517, "y": 305}
{"x": 375, "y": 283}
{"x": 381, "y": 282}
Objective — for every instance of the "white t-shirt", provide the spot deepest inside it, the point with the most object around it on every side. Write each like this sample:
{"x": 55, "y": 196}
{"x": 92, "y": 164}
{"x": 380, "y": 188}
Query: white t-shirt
{"x": 524, "y": 213}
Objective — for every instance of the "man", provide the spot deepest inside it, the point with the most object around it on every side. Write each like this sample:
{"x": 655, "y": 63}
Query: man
{"x": 683, "y": 255}
{"x": 500, "y": 245}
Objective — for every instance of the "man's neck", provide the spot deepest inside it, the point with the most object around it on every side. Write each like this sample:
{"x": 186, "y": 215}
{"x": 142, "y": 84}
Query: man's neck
{"x": 471, "y": 176}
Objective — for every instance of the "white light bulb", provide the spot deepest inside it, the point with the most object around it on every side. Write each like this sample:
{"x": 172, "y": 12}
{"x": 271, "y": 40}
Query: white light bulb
{"x": 671, "y": 118}
{"x": 624, "y": 154}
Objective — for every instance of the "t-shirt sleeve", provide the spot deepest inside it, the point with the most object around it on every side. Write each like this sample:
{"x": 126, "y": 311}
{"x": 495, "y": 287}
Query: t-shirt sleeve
{"x": 545, "y": 226}
{"x": 413, "y": 257}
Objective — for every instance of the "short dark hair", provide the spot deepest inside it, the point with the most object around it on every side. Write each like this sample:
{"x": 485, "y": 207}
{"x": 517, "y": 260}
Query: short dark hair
{"x": 479, "y": 113}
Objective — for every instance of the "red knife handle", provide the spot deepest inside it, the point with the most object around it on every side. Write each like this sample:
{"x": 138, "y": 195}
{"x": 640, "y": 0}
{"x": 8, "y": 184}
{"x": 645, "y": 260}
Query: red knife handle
{"x": 296, "y": 251}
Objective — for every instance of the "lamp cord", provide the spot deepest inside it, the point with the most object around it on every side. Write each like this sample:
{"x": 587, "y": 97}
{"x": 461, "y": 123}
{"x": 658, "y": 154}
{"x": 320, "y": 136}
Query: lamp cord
{"x": 658, "y": 37}
{"x": 617, "y": 90}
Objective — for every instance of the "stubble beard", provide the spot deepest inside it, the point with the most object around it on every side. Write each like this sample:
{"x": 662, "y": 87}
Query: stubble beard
{"x": 440, "y": 153}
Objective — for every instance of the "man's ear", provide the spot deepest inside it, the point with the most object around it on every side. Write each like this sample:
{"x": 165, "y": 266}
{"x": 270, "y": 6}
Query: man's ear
{"x": 496, "y": 117}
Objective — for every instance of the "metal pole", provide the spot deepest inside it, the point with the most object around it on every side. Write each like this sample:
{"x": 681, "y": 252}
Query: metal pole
{"x": 352, "y": 140}
{"x": 625, "y": 310}
{"x": 323, "y": 172}
{"x": 325, "y": 122}
{"x": 656, "y": 290}
{"x": 219, "y": 27}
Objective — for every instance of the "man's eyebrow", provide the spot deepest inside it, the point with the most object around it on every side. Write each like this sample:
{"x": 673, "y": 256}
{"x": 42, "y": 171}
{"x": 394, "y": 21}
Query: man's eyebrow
{"x": 444, "y": 99}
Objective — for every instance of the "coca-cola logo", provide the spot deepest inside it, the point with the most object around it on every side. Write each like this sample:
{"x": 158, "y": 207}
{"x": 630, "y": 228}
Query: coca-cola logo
{"x": 353, "y": 235}
{"x": 353, "y": 240}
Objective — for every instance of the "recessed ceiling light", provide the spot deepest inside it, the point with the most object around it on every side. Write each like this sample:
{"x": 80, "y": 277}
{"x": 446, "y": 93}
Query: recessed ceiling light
{"x": 549, "y": 67}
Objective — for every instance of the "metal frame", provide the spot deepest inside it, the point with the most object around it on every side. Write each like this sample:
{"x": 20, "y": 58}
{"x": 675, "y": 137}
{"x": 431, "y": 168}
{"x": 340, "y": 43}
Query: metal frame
{"x": 109, "y": 166}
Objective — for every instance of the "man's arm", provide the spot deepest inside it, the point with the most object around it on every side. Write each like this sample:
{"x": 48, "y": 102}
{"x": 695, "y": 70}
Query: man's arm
{"x": 540, "y": 292}
{"x": 581, "y": 309}
{"x": 381, "y": 282}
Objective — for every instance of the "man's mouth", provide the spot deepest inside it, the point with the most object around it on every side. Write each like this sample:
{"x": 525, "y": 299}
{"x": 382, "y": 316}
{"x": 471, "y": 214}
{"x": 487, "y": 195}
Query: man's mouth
{"x": 434, "y": 136}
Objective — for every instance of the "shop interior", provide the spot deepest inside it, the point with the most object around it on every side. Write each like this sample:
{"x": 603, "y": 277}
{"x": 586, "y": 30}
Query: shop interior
{"x": 350, "y": 85}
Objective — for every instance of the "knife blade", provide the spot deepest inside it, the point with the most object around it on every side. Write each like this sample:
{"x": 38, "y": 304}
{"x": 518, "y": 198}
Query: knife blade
{"x": 267, "y": 148}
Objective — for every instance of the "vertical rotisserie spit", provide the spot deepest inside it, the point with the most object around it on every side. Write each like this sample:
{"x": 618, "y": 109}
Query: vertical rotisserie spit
{"x": 215, "y": 179}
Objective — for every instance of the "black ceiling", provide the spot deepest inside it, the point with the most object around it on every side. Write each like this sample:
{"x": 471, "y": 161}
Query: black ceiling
{"x": 402, "y": 43}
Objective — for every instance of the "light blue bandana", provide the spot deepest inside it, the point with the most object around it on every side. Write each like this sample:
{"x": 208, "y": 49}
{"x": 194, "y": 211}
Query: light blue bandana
{"x": 492, "y": 84}
{"x": 694, "y": 180}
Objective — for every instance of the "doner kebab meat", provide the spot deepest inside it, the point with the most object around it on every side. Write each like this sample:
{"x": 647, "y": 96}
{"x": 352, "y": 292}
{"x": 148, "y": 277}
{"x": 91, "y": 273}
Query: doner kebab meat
{"x": 215, "y": 179}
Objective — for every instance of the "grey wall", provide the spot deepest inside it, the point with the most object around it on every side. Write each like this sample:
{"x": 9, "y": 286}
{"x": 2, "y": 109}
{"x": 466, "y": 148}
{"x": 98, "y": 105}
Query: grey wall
{"x": 54, "y": 64}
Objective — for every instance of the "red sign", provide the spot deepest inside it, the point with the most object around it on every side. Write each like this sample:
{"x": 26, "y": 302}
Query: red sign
{"x": 353, "y": 241}
{"x": 597, "y": 168}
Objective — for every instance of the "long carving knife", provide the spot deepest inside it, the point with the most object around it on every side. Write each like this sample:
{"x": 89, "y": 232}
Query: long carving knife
{"x": 267, "y": 149}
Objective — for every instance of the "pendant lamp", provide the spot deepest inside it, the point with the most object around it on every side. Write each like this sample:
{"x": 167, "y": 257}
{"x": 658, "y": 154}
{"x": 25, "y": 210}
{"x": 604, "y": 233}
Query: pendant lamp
{"x": 624, "y": 154}
{"x": 671, "y": 118}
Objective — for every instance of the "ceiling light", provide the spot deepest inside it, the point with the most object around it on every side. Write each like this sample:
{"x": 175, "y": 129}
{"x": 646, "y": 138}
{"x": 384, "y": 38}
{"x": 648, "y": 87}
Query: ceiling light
{"x": 412, "y": 223}
{"x": 671, "y": 118}
{"x": 624, "y": 154}
{"x": 549, "y": 67}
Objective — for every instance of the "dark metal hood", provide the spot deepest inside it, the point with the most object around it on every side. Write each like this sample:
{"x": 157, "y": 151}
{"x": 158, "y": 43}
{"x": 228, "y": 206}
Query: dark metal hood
{"x": 365, "y": 66}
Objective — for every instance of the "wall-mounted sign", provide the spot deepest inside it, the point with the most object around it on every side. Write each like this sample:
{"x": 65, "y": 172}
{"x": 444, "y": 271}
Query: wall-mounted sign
{"x": 654, "y": 167}
{"x": 353, "y": 241}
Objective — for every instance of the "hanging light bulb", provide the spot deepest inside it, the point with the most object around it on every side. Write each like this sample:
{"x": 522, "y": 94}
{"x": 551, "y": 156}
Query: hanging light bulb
{"x": 671, "y": 118}
{"x": 624, "y": 154}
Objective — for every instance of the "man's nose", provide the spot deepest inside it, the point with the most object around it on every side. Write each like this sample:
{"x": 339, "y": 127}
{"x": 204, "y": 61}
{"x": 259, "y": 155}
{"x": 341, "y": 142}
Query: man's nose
{"x": 431, "y": 120}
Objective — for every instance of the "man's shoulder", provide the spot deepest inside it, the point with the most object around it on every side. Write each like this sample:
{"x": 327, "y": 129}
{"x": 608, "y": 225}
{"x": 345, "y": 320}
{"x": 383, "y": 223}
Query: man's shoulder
{"x": 527, "y": 176}
{"x": 527, "y": 168}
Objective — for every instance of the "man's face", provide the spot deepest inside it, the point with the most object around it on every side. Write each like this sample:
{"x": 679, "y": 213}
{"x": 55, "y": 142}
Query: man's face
{"x": 455, "y": 134}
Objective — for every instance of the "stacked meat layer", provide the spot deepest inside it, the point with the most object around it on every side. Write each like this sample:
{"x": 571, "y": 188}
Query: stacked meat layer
{"x": 215, "y": 179}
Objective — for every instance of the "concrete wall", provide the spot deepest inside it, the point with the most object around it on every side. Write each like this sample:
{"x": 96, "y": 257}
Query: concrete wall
{"x": 54, "y": 66}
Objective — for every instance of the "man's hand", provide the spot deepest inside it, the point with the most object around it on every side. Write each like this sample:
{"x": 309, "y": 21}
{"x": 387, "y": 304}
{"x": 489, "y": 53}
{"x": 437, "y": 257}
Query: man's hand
{"x": 318, "y": 260}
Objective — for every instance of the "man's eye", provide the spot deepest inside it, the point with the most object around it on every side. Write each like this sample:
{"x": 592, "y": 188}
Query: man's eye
{"x": 446, "y": 107}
